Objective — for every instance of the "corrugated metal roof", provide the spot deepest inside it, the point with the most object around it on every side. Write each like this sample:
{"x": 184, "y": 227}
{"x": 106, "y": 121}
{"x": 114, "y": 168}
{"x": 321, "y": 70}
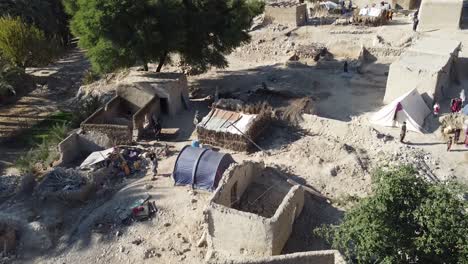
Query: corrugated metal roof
{"x": 222, "y": 120}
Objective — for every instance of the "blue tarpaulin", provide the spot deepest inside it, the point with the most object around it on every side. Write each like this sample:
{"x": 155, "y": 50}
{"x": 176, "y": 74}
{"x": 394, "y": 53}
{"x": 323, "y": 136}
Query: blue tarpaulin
{"x": 200, "y": 167}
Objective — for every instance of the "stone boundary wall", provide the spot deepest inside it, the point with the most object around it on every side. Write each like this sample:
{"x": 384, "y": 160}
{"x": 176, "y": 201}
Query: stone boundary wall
{"x": 120, "y": 135}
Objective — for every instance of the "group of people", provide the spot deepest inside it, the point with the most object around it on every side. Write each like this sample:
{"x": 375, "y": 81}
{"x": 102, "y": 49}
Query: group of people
{"x": 456, "y": 105}
{"x": 451, "y": 140}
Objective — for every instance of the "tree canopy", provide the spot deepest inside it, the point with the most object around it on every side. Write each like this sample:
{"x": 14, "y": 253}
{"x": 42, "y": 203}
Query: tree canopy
{"x": 47, "y": 15}
{"x": 22, "y": 44}
{"x": 121, "y": 33}
{"x": 407, "y": 220}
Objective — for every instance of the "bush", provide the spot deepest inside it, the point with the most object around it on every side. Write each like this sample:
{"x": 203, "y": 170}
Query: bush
{"x": 10, "y": 77}
{"x": 45, "y": 152}
{"x": 85, "y": 109}
{"x": 90, "y": 77}
{"x": 47, "y": 15}
{"x": 407, "y": 220}
{"x": 23, "y": 45}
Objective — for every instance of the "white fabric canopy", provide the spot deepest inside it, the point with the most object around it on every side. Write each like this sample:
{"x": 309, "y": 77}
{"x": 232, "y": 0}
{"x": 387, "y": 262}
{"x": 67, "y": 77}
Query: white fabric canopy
{"x": 414, "y": 111}
{"x": 96, "y": 157}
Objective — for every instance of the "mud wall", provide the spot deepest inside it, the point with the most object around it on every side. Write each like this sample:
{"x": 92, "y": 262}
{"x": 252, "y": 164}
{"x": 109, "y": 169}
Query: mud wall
{"x": 178, "y": 94}
{"x": 294, "y": 15}
{"x": 311, "y": 257}
{"x": 134, "y": 95}
{"x": 169, "y": 86}
{"x": 283, "y": 220}
{"x": 233, "y": 233}
{"x": 430, "y": 84}
{"x": 406, "y": 4}
{"x": 152, "y": 107}
{"x": 69, "y": 149}
{"x": 440, "y": 15}
{"x": 104, "y": 113}
{"x": 79, "y": 146}
{"x": 242, "y": 174}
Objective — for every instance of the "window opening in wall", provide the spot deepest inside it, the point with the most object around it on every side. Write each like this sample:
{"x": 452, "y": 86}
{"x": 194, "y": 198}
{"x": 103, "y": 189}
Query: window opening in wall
{"x": 164, "y": 106}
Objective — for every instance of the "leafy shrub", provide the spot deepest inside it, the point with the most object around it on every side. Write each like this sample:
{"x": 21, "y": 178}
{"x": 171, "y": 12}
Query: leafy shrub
{"x": 10, "y": 76}
{"x": 407, "y": 220}
{"x": 23, "y": 45}
{"x": 84, "y": 110}
{"x": 45, "y": 152}
{"x": 90, "y": 77}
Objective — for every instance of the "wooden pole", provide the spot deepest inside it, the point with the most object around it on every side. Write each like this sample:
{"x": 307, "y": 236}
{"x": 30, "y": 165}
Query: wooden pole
{"x": 245, "y": 136}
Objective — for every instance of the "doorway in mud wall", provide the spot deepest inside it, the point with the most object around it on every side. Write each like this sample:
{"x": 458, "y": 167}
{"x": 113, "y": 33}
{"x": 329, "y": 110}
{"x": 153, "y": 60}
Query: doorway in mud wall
{"x": 164, "y": 106}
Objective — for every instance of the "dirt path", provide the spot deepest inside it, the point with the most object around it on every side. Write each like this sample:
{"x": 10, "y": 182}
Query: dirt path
{"x": 59, "y": 82}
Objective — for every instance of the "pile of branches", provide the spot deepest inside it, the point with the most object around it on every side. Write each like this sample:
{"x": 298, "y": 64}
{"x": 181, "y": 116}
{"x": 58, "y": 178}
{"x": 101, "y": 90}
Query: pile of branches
{"x": 293, "y": 112}
{"x": 236, "y": 105}
{"x": 312, "y": 51}
{"x": 65, "y": 184}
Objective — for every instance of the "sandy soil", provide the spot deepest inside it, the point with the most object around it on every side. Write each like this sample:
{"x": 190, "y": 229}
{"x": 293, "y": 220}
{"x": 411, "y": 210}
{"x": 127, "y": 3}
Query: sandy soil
{"x": 334, "y": 151}
{"x": 56, "y": 83}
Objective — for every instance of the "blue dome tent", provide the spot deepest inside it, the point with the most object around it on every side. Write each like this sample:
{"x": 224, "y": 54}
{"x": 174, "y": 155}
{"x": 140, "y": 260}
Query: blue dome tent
{"x": 202, "y": 168}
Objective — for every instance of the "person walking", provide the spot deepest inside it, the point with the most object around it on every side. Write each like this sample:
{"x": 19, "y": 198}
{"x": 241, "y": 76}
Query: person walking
{"x": 415, "y": 20}
{"x": 153, "y": 163}
{"x": 403, "y": 132}
{"x": 345, "y": 66}
{"x": 456, "y": 136}
{"x": 449, "y": 144}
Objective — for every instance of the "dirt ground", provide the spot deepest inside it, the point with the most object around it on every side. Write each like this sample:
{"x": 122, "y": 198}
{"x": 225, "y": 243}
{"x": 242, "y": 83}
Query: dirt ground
{"x": 334, "y": 151}
{"x": 54, "y": 85}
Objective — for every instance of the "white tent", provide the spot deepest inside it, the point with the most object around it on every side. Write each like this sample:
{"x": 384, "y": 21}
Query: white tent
{"x": 96, "y": 157}
{"x": 409, "y": 107}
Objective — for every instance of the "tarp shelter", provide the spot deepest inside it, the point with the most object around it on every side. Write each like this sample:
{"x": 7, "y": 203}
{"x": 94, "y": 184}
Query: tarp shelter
{"x": 96, "y": 157}
{"x": 410, "y": 108}
{"x": 200, "y": 167}
{"x": 220, "y": 120}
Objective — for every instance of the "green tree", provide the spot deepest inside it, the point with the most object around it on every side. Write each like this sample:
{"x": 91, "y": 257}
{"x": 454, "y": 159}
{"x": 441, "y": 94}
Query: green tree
{"x": 47, "y": 15}
{"x": 214, "y": 29}
{"x": 22, "y": 44}
{"x": 143, "y": 31}
{"x": 407, "y": 220}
